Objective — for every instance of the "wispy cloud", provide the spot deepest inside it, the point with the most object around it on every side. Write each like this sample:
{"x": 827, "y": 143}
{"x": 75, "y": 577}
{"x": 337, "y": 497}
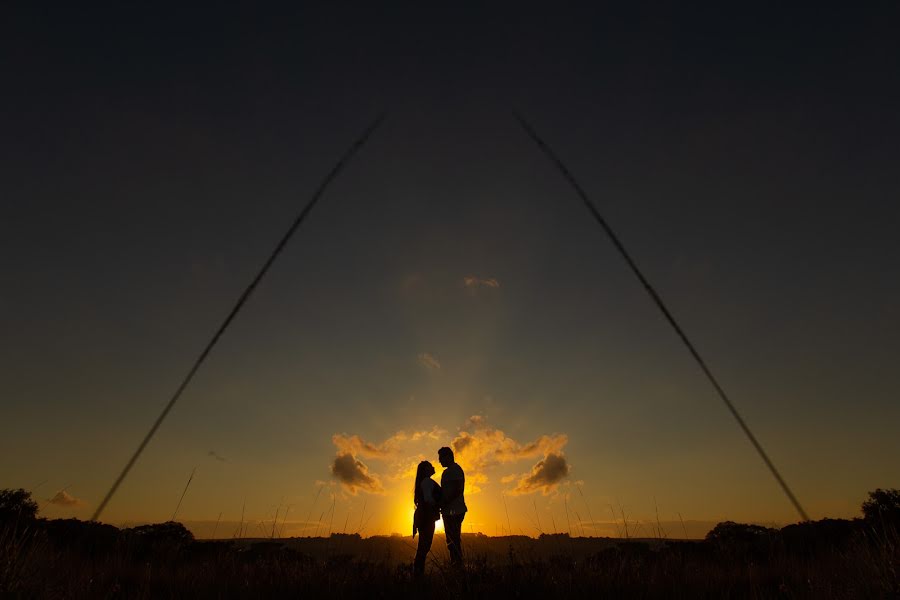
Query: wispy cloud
{"x": 64, "y": 498}
{"x": 429, "y": 361}
{"x": 435, "y": 433}
{"x": 355, "y": 445}
{"x": 354, "y": 475}
{"x": 472, "y": 282}
{"x": 216, "y": 456}
{"x": 480, "y": 446}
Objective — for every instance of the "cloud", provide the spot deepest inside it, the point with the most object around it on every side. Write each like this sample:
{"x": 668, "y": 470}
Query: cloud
{"x": 355, "y": 445}
{"x": 407, "y": 470}
{"x": 216, "y": 456}
{"x": 471, "y": 282}
{"x": 435, "y": 433}
{"x": 546, "y": 444}
{"x": 475, "y": 481}
{"x": 354, "y": 475}
{"x": 474, "y": 422}
{"x": 64, "y": 498}
{"x": 429, "y": 361}
{"x": 479, "y": 447}
{"x": 545, "y": 476}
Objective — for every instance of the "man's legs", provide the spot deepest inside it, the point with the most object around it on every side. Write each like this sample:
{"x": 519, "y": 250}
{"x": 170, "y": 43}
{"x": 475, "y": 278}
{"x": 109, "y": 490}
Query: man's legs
{"x": 453, "y": 530}
{"x": 426, "y": 536}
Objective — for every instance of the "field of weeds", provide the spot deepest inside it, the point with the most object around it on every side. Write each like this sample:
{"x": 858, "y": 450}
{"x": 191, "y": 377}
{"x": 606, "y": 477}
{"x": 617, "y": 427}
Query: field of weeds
{"x": 83, "y": 560}
{"x": 831, "y": 558}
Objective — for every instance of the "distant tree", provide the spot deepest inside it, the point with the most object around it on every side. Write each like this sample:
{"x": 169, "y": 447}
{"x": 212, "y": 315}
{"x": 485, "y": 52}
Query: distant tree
{"x": 86, "y": 537}
{"x": 810, "y": 537}
{"x": 17, "y": 505}
{"x": 729, "y": 531}
{"x": 742, "y": 538}
{"x": 168, "y": 533}
{"x": 882, "y": 507}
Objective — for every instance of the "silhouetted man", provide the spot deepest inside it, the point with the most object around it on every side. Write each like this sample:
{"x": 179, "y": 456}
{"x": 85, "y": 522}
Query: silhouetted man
{"x": 453, "y": 504}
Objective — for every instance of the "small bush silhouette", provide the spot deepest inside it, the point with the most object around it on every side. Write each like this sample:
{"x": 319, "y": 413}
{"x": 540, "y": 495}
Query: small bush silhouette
{"x": 813, "y": 537}
{"x": 87, "y": 537}
{"x": 159, "y": 537}
{"x": 741, "y": 539}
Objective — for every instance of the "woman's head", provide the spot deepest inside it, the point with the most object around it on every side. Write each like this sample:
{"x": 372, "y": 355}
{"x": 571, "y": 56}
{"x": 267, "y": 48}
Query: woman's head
{"x": 423, "y": 471}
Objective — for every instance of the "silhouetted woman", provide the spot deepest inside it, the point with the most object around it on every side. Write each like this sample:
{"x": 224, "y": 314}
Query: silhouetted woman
{"x": 426, "y": 497}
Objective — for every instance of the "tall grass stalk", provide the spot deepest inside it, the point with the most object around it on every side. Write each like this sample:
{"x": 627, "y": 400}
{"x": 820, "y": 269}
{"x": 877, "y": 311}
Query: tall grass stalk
{"x": 186, "y": 486}
{"x": 312, "y": 507}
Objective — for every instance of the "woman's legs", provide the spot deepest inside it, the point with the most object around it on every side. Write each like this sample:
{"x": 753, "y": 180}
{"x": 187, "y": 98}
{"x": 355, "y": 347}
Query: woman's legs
{"x": 426, "y": 536}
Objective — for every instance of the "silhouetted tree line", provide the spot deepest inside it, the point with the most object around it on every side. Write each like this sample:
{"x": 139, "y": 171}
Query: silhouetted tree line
{"x": 880, "y": 521}
{"x": 18, "y": 512}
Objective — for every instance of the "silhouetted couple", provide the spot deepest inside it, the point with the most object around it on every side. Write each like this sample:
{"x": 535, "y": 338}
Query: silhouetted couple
{"x": 434, "y": 501}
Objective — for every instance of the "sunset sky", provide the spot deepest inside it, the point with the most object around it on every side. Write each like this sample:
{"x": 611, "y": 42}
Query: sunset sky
{"x": 450, "y": 289}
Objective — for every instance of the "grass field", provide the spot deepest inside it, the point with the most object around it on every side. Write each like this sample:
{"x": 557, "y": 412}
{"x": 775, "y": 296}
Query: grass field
{"x": 74, "y": 559}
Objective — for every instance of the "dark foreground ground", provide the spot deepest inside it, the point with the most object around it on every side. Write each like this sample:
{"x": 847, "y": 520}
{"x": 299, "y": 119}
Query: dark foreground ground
{"x": 74, "y": 559}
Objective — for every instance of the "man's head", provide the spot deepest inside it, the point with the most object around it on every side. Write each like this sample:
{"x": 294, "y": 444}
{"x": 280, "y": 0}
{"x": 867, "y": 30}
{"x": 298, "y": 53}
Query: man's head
{"x": 445, "y": 456}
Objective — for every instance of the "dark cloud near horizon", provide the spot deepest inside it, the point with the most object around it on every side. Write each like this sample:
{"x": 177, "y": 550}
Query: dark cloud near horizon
{"x": 354, "y": 475}
{"x": 545, "y": 476}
